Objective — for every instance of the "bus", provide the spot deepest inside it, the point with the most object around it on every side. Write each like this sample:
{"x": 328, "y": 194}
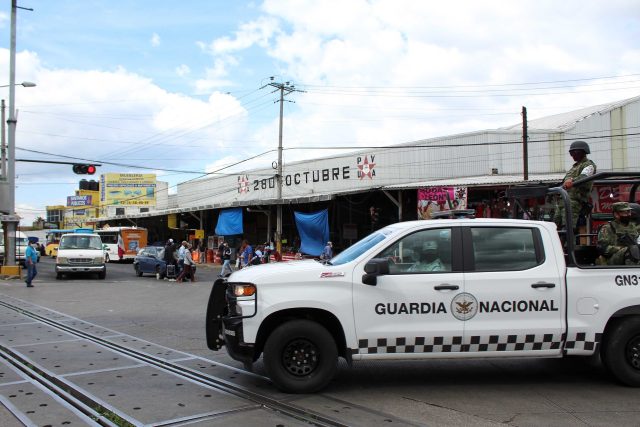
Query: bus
{"x": 122, "y": 243}
{"x": 52, "y": 239}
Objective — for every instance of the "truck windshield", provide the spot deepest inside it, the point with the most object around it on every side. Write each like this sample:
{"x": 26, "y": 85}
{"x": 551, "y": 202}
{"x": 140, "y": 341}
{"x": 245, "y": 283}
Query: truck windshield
{"x": 360, "y": 247}
{"x": 80, "y": 242}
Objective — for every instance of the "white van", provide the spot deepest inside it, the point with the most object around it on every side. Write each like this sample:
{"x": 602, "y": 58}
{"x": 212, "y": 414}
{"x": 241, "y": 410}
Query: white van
{"x": 21, "y": 246}
{"x": 80, "y": 253}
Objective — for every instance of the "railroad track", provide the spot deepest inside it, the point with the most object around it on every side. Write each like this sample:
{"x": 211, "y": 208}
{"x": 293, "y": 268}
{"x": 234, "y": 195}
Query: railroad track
{"x": 99, "y": 411}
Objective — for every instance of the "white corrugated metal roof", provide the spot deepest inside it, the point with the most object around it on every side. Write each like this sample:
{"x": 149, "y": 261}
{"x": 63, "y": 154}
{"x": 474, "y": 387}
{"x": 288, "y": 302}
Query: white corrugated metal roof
{"x": 564, "y": 121}
{"x": 487, "y": 180}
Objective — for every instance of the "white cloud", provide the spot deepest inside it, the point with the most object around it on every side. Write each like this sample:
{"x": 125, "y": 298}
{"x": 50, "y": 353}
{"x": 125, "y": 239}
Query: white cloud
{"x": 216, "y": 77}
{"x": 257, "y": 32}
{"x": 155, "y": 40}
{"x": 182, "y": 70}
{"x": 125, "y": 119}
{"x": 376, "y": 72}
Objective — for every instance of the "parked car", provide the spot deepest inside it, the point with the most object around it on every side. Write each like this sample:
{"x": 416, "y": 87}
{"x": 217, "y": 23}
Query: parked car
{"x": 150, "y": 260}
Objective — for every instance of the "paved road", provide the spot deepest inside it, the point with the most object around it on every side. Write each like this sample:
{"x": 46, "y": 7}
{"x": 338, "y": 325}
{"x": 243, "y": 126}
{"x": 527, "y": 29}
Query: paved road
{"x": 572, "y": 392}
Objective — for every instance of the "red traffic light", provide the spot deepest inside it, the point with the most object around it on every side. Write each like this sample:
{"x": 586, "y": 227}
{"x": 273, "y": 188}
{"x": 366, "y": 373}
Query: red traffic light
{"x": 84, "y": 169}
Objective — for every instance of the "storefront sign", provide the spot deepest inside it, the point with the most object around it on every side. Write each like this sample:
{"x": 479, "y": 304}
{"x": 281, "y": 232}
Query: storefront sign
{"x": 436, "y": 199}
{"x": 79, "y": 200}
{"x": 136, "y": 189}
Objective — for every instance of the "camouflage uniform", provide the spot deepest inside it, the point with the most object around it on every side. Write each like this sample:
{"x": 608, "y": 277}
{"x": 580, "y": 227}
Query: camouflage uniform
{"x": 578, "y": 195}
{"x": 615, "y": 240}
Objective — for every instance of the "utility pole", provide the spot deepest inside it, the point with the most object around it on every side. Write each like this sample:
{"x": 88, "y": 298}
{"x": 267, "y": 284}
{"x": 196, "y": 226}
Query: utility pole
{"x": 11, "y": 220}
{"x": 285, "y": 89}
{"x": 4, "y": 144}
{"x": 525, "y": 148}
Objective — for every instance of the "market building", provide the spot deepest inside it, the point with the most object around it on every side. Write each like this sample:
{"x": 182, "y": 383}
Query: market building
{"x": 370, "y": 188}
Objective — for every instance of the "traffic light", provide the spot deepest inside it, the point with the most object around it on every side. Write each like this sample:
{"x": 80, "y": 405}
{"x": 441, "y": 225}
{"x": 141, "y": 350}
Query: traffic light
{"x": 84, "y": 169}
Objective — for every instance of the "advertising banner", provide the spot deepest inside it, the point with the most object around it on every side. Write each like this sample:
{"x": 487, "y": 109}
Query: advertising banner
{"x": 436, "y": 199}
{"x": 603, "y": 196}
{"x": 134, "y": 189}
{"x": 79, "y": 200}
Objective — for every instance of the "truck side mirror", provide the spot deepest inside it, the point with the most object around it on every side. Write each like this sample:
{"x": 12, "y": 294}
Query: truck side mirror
{"x": 374, "y": 268}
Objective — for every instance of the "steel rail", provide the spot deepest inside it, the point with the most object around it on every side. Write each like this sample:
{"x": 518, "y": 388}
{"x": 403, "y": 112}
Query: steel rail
{"x": 85, "y": 407}
{"x": 267, "y": 402}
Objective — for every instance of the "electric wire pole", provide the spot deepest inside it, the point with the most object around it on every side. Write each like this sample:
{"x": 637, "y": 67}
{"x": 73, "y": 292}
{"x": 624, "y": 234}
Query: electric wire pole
{"x": 285, "y": 89}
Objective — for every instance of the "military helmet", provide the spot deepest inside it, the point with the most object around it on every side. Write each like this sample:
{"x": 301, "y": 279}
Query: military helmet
{"x": 620, "y": 207}
{"x": 580, "y": 145}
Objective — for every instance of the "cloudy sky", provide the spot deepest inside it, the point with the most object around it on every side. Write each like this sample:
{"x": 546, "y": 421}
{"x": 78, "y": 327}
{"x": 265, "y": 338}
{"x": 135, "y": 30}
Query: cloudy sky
{"x": 181, "y": 88}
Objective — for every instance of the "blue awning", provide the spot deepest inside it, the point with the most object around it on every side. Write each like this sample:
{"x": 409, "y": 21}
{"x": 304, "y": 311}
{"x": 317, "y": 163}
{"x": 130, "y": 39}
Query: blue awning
{"x": 229, "y": 222}
{"x": 314, "y": 231}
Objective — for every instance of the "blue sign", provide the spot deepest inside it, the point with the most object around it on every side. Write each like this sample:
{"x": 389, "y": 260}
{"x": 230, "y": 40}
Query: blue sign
{"x": 78, "y": 200}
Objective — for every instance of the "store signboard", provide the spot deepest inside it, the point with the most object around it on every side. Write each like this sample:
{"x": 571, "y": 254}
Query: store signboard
{"x": 436, "y": 199}
{"x": 79, "y": 200}
{"x": 132, "y": 189}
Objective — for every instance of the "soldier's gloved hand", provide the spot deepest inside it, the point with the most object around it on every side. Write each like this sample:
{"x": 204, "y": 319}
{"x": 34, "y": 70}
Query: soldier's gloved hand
{"x": 634, "y": 252}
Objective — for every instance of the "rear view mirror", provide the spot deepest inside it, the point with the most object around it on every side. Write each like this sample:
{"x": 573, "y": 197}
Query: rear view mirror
{"x": 374, "y": 268}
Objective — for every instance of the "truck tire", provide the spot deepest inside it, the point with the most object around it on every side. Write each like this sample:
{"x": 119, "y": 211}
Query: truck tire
{"x": 622, "y": 351}
{"x": 300, "y": 356}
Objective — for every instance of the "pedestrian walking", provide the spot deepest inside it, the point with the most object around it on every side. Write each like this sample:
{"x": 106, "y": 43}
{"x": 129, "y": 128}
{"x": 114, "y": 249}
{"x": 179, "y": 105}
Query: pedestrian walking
{"x": 187, "y": 262}
{"x": 31, "y": 258}
{"x": 181, "y": 253}
{"x": 226, "y": 260}
{"x": 202, "y": 248}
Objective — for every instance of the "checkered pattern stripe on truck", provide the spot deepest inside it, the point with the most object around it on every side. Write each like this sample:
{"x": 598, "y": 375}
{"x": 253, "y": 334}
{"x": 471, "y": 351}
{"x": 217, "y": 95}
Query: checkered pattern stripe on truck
{"x": 528, "y": 342}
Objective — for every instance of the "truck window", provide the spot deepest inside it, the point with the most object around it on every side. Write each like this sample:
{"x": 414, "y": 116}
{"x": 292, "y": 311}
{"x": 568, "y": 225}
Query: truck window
{"x": 427, "y": 251}
{"x": 505, "y": 249}
{"x": 81, "y": 242}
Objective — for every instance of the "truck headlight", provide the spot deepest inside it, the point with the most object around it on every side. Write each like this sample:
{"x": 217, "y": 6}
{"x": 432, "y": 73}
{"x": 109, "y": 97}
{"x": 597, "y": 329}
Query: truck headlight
{"x": 244, "y": 290}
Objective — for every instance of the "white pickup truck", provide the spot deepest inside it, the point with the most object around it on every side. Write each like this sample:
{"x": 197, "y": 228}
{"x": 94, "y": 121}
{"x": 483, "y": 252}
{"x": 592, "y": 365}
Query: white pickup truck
{"x": 495, "y": 288}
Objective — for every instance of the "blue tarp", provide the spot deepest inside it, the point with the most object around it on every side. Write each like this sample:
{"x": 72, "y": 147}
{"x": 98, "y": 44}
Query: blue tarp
{"x": 314, "y": 231}
{"x": 229, "y": 222}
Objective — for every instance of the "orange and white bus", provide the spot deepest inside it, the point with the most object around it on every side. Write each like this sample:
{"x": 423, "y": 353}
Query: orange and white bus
{"x": 122, "y": 243}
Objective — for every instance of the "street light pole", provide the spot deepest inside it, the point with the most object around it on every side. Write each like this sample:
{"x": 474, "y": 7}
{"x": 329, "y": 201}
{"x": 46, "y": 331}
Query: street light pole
{"x": 11, "y": 220}
{"x": 10, "y": 223}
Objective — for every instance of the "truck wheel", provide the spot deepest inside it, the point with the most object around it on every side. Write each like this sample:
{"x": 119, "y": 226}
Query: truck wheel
{"x": 300, "y": 356}
{"x": 622, "y": 351}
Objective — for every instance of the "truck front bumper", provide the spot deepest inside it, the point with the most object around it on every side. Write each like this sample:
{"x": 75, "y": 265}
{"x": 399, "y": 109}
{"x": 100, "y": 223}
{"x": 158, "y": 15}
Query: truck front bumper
{"x": 223, "y": 330}
{"x": 233, "y": 339}
{"x": 80, "y": 268}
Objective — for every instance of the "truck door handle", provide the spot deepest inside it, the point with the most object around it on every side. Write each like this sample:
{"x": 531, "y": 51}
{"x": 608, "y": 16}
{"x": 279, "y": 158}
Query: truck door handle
{"x": 446, "y": 287}
{"x": 543, "y": 285}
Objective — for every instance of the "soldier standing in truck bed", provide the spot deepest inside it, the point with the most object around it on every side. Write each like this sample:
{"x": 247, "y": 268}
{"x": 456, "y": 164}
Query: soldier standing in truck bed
{"x": 578, "y": 194}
